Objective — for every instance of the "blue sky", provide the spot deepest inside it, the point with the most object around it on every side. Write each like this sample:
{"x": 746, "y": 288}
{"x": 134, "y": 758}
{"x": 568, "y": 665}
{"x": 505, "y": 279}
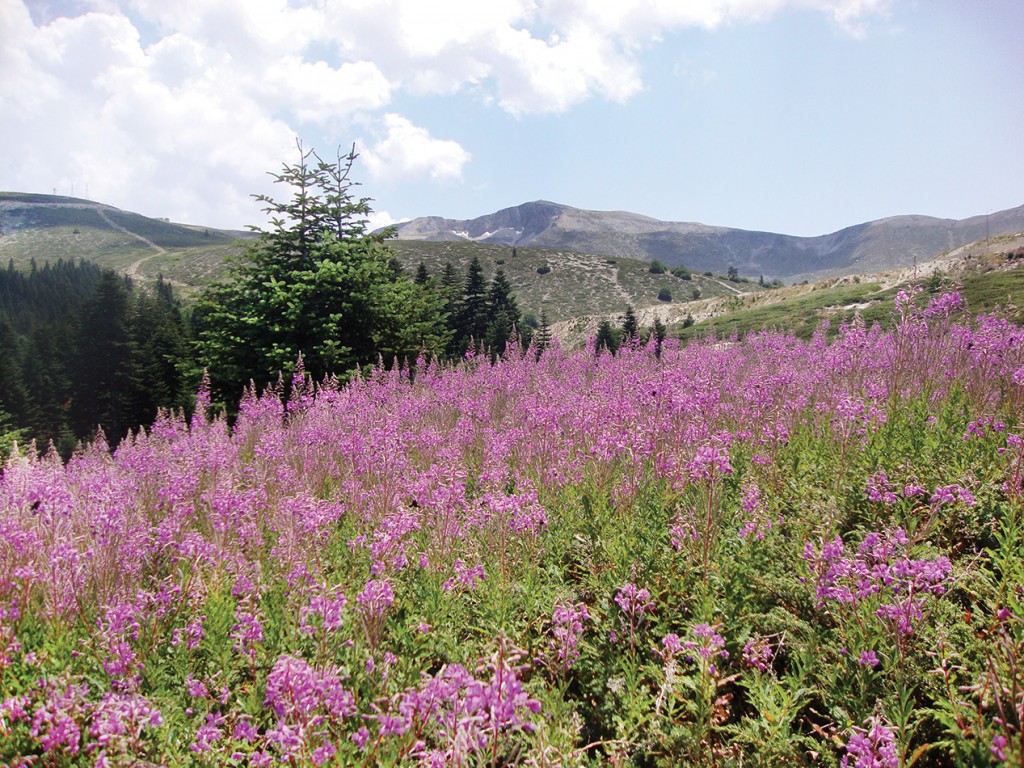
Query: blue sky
{"x": 794, "y": 116}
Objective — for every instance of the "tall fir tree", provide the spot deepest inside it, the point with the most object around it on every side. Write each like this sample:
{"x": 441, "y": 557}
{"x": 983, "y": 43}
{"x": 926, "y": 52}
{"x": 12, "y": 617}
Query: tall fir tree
{"x": 317, "y": 284}
{"x": 606, "y": 338}
{"x": 542, "y": 336}
{"x": 502, "y": 313}
{"x": 630, "y": 326}
{"x": 472, "y": 313}
{"x": 422, "y": 275}
{"x": 103, "y": 356}
{"x": 658, "y": 332}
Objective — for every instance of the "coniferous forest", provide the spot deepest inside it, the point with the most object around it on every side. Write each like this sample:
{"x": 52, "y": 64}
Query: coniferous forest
{"x": 81, "y": 350}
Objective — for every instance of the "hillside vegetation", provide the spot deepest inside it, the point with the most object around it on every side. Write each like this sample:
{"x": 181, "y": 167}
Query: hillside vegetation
{"x": 988, "y": 274}
{"x": 43, "y": 228}
{"x": 575, "y": 284}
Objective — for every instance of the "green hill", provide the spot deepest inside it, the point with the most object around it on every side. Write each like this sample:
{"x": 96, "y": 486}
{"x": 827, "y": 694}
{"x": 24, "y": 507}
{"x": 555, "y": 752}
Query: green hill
{"x": 566, "y": 284}
{"x": 47, "y": 228}
{"x": 987, "y": 273}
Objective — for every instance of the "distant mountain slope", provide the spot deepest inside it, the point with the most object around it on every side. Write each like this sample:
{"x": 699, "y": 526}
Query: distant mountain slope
{"x": 884, "y": 244}
{"x": 559, "y": 283}
{"x": 50, "y": 227}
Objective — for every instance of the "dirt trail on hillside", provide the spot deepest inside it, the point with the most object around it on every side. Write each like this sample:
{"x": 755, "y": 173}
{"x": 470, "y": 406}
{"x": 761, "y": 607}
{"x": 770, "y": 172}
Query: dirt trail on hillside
{"x": 133, "y": 269}
{"x": 728, "y": 287}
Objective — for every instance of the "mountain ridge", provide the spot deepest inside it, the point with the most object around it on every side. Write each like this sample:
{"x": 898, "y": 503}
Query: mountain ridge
{"x": 887, "y": 243}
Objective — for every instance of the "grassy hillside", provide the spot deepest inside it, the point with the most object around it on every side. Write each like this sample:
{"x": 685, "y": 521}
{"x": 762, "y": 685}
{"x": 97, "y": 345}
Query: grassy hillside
{"x": 578, "y": 284}
{"x": 569, "y": 284}
{"x": 47, "y": 228}
{"x": 988, "y": 274}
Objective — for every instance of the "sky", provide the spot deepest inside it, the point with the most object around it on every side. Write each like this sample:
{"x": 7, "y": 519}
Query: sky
{"x": 792, "y": 116}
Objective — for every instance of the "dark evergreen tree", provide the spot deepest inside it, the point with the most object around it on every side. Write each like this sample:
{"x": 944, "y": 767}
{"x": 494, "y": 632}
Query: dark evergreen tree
{"x": 316, "y": 284}
{"x": 14, "y": 399}
{"x": 658, "y": 333}
{"x": 542, "y": 336}
{"x": 630, "y": 326}
{"x": 606, "y": 338}
{"x": 472, "y": 316}
{"x": 422, "y": 275}
{"x": 103, "y": 355}
{"x": 451, "y": 284}
{"x": 49, "y": 360}
{"x": 503, "y": 314}
{"x": 163, "y": 375}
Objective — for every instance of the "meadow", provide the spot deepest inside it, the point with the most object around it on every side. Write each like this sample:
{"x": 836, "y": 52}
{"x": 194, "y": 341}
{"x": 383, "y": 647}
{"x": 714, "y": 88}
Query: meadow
{"x": 765, "y": 552}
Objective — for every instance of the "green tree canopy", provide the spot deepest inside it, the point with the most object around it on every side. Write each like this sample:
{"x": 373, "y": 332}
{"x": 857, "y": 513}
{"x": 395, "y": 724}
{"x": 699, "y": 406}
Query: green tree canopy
{"x": 316, "y": 284}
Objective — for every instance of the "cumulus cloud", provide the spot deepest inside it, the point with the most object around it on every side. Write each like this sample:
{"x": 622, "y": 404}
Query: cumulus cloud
{"x": 409, "y": 150}
{"x": 177, "y": 109}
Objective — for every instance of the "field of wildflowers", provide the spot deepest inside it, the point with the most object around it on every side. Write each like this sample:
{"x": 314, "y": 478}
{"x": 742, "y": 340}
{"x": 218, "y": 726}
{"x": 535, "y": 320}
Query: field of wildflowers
{"x": 763, "y": 552}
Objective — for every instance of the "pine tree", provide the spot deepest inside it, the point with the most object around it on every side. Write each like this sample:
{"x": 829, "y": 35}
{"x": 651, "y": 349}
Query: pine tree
{"x": 103, "y": 356}
{"x": 471, "y": 317}
{"x": 542, "y": 336}
{"x": 450, "y": 282}
{"x": 658, "y": 332}
{"x": 49, "y": 362}
{"x": 14, "y": 398}
{"x": 502, "y": 312}
{"x": 422, "y": 275}
{"x": 316, "y": 284}
{"x": 630, "y": 326}
{"x": 163, "y": 375}
{"x": 606, "y": 338}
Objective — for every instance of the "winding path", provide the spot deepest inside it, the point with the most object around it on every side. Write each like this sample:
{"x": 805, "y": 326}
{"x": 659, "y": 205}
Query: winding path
{"x": 133, "y": 269}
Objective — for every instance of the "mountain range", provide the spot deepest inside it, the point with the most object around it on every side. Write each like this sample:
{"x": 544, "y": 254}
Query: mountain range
{"x": 889, "y": 243}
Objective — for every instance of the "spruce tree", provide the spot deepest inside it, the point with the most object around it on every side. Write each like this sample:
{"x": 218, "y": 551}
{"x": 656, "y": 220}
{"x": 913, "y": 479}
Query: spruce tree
{"x": 630, "y": 326}
{"x": 422, "y": 275}
{"x": 14, "y": 398}
{"x": 658, "y": 332}
{"x": 542, "y": 336}
{"x": 502, "y": 313}
{"x": 606, "y": 338}
{"x": 317, "y": 283}
{"x": 103, "y": 357}
{"x": 472, "y": 313}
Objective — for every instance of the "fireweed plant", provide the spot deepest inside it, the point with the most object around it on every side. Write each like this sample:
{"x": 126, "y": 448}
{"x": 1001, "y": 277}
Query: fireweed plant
{"x": 759, "y": 552}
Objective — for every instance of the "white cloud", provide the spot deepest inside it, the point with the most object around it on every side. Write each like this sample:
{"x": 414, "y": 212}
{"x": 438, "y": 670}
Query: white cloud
{"x": 178, "y": 108}
{"x": 409, "y": 150}
{"x": 379, "y": 219}
{"x": 542, "y": 56}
